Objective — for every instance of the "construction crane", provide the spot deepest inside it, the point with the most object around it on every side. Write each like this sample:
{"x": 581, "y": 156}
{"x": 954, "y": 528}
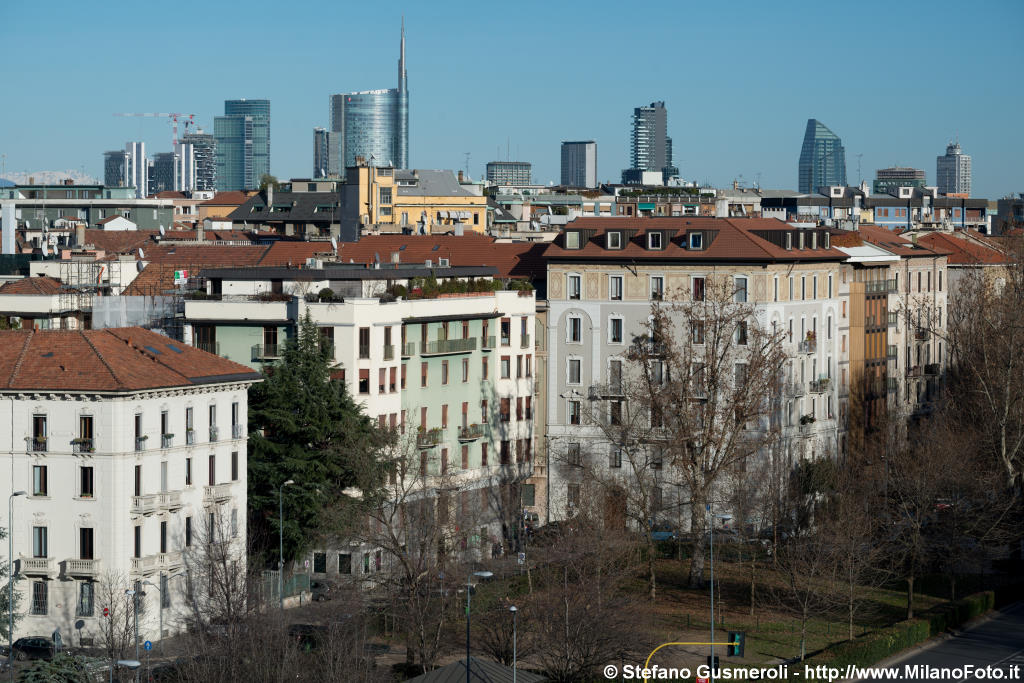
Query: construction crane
{"x": 187, "y": 119}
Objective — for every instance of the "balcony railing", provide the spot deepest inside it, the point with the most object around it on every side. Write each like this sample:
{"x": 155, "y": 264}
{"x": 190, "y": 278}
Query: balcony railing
{"x": 389, "y": 352}
{"x": 922, "y": 334}
{"x": 144, "y": 505}
{"x": 820, "y": 386}
{"x": 891, "y": 351}
{"x": 209, "y": 347}
{"x": 83, "y": 445}
{"x": 506, "y": 341}
{"x": 364, "y": 351}
{"x": 795, "y": 388}
{"x": 450, "y": 346}
{"x": 37, "y": 566}
{"x": 408, "y": 349}
{"x": 218, "y": 493}
{"x": 264, "y": 352}
{"x": 145, "y": 564}
{"x": 880, "y": 286}
{"x": 487, "y": 343}
{"x": 430, "y": 438}
{"x": 214, "y": 434}
{"x": 236, "y": 432}
{"x": 84, "y": 568}
{"x": 190, "y": 437}
{"x": 894, "y": 317}
{"x": 914, "y": 371}
{"x": 524, "y": 341}
{"x": 170, "y": 500}
{"x": 167, "y": 561}
{"x": 37, "y": 444}
{"x": 166, "y": 440}
{"x": 931, "y": 369}
{"x": 472, "y": 432}
{"x": 808, "y": 346}
{"x": 140, "y": 443}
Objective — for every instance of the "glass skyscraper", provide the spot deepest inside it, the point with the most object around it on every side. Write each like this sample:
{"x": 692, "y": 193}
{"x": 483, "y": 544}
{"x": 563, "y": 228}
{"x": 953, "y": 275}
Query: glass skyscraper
{"x": 822, "y": 158}
{"x": 650, "y": 145}
{"x": 374, "y": 124}
{"x": 243, "y": 144}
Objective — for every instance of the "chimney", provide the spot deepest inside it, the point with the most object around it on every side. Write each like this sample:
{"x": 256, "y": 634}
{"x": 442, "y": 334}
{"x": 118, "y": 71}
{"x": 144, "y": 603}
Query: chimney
{"x": 461, "y": 177}
{"x": 201, "y": 230}
{"x": 270, "y": 196}
{"x": 80, "y": 234}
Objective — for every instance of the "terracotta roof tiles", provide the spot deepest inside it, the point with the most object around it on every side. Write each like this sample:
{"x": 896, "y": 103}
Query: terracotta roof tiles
{"x": 44, "y": 285}
{"x": 963, "y": 250}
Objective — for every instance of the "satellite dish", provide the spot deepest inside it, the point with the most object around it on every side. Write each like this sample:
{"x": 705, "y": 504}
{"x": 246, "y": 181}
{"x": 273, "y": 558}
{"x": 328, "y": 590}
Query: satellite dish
{"x": 140, "y": 265}
{"x": 334, "y": 243}
{"x": 162, "y": 231}
{"x": 46, "y": 249}
{"x": 28, "y": 223}
{"x": 141, "y": 254}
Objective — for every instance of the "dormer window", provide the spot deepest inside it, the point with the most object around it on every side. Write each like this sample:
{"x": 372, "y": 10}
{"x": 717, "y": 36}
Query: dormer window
{"x": 572, "y": 240}
{"x": 654, "y": 240}
{"x": 696, "y": 240}
{"x": 828, "y": 242}
{"x": 789, "y": 241}
{"x": 614, "y": 240}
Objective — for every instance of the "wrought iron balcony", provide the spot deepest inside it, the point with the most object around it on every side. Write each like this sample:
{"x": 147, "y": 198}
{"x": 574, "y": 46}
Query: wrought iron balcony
{"x": 922, "y": 334}
{"x": 472, "y": 432}
{"x": 166, "y": 440}
{"x": 808, "y": 346}
{"x": 209, "y": 347}
{"x": 190, "y": 437}
{"x": 820, "y": 386}
{"x": 214, "y": 434}
{"x": 430, "y": 438}
{"x": 36, "y": 444}
{"x": 140, "y": 443}
{"x": 83, "y": 445}
{"x": 264, "y": 352}
{"x": 236, "y": 432}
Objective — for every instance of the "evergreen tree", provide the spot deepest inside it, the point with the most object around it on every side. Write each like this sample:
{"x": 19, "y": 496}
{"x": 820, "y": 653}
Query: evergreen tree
{"x": 304, "y": 426}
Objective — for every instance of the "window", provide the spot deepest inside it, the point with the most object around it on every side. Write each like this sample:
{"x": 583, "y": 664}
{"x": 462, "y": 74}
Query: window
{"x": 423, "y": 374}
{"x": 364, "y": 342}
{"x": 698, "y": 289}
{"x": 40, "y": 486}
{"x": 234, "y": 465}
{"x": 190, "y": 427}
{"x": 320, "y": 563}
{"x": 572, "y": 240}
{"x": 574, "y": 327}
{"x": 39, "y": 598}
{"x": 505, "y": 410}
{"x": 572, "y": 495}
{"x": 188, "y": 532}
{"x": 465, "y": 369}
{"x": 529, "y": 365}
{"x": 614, "y": 456}
{"x": 573, "y": 287}
{"x": 741, "y": 290}
{"x": 344, "y": 563}
{"x": 574, "y": 412}
{"x": 614, "y": 239}
{"x": 654, "y": 240}
{"x": 382, "y": 379}
{"x": 615, "y": 330}
{"x": 828, "y": 326}
{"x": 697, "y": 332}
{"x": 574, "y": 371}
{"x": 940, "y": 280}
{"x": 741, "y": 333}
{"x": 615, "y": 287}
{"x": 814, "y": 287}
{"x": 39, "y": 541}
{"x": 212, "y": 469}
{"x": 615, "y": 376}
{"x": 506, "y": 455}
{"x": 483, "y": 454}
{"x": 85, "y": 482}
{"x": 519, "y": 367}
{"x": 137, "y": 545}
{"x": 506, "y": 367}
{"x": 163, "y": 476}
{"x": 165, "y": 594}
{"x": 39, "y": 432}
{"x": 85, "y": 599}
{"x": 615, "y": 412}
{"x": 829, "y": 286}
{"x": 803, "y": 287}
{"x": 393, "y": 379}
{"x": 484, "y": 370}
{"x": 444, "y": 372}
{"x": 506, "y": 331}
{"x": 657, "y": 287}
{"x": 790, "y": 287}
{"x": 444, "y": 416}
{"x": 163, "y": 537}
{"x": 188, "y": 471}
{"x": 696, "y": 240}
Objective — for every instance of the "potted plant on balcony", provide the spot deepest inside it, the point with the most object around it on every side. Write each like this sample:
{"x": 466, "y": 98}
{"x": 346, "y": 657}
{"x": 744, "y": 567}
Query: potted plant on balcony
{"x": 806, "y": 419}
{"x": 811, "y": 336}
{"x": 84, "y": 445}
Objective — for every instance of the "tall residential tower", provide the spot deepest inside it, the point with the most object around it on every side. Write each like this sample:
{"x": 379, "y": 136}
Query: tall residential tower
{"x": 243, "y": 144}
{"x": 579, "y": 164}
{"x": 822, "y": 158}
{"x": 650, "y": 145}
{"x": 374, "y": 124}
{"x": 953, "y": 171}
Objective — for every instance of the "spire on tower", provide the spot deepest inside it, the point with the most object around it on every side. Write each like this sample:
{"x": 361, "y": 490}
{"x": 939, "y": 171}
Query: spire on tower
{"x": 401, "y": 59}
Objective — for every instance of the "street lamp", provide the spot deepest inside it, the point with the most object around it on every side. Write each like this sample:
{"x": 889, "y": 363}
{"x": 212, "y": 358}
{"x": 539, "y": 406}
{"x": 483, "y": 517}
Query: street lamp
{"x": 10, "y": 579}
{"x": 135, "y": 612}
{"x": 469, "y": 587}
{"x": 280, "y": 531}
{"x": 515, "y": 613}
{"x": 160, "y": 590}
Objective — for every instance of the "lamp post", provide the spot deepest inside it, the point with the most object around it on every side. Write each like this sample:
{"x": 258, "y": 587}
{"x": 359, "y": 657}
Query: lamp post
{"x": 469, "y": 587}
{"x": 135, "y": 635}
{"x": 280, "y": 539}
{"x": 10, "y": 580}
{"x": 515, "y": 613}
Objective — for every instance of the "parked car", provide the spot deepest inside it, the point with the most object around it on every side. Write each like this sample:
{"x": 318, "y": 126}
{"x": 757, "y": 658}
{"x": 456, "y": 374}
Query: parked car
{"x": 662, "y": 531}
{"x": 322, "y": 590}
{"x": 33, "y": 647}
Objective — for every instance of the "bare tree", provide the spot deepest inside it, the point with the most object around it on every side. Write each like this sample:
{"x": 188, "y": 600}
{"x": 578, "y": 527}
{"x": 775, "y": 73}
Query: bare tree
{"x": 803, "y": 563}
{"x": 219, "y": 588}
{"x": 116, "y": 630}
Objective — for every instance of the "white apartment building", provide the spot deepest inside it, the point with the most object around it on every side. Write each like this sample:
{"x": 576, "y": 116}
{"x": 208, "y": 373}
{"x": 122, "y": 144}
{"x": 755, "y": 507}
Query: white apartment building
{"x": 128, "y": 447}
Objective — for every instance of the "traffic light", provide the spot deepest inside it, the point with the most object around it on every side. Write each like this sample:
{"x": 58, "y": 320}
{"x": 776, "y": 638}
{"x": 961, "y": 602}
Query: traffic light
{"x": 734, "y": 648}
{"x": 713, "y": 665}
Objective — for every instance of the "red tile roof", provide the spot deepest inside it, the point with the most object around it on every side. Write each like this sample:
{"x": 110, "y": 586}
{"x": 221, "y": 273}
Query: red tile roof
{"x": 897, "y": 244}
{"x": 964, "y": 250}
{"x": 515, "y": 259}
{"x": 170, "y": 194}
{"x": 116, "y": 359}
{"x": 163, "y": 259}
{"x": 284, "y": 253}
{"x": 727, "y": 239}
{"x": 44, "y": 284}
{"x": 119, "y": 241}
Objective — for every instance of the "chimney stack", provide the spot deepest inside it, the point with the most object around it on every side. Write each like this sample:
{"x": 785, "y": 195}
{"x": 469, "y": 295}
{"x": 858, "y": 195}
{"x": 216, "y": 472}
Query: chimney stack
{"x": 79, "y": 234}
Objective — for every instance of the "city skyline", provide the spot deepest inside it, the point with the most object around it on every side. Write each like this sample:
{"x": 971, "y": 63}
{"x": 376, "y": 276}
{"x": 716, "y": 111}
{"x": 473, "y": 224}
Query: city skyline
{"x": 717, "y": 137}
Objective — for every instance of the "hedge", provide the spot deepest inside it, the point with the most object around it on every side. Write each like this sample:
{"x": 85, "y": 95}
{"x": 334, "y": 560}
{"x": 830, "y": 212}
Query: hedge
{"x": 878, "y": 645}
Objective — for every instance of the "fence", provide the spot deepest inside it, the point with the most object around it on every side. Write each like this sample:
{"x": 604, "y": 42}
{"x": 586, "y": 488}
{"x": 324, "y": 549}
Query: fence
{"x": 293, "y": 585}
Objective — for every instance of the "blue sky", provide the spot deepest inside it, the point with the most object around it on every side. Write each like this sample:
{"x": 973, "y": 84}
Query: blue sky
{"x": 896, "y": 80}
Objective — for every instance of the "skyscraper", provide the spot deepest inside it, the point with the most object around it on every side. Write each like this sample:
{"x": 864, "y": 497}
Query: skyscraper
{"x": 161, "y": 172}
{"x": 136, "y": 168}
{"x": 579, "y": 164}
{"x": 651, "y": 147}
{"x": 204, "y": 148}
{"x": 184, "y": 167}
{"x": 114, "y": 168}
{"x": 374, "y": 124}
{"x": 243, "y": 144}
{"x": 510, "y": 172}
{"x": 888, "y": 180}
{"x": 325, "y": 153}
{"x": 822, "y": 158}
{"x": 953, "y": 171}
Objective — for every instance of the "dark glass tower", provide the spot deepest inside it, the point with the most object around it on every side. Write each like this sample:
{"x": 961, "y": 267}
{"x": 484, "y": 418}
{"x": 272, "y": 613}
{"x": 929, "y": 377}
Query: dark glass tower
{"x": 822, "y": 158}
{"x": 243, "y": 144}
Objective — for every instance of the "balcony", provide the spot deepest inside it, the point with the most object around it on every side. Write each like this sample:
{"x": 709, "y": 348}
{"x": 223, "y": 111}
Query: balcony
{"x": 430, "y": 438}
{"x": 144, "y": 505}
{"x": 487, "y": 343}
{"x": 408, "y": 349}
{"x": 364, "y": 351}
{"x": 795, "y": 389}
{"x": 892, "y": 384}
{"x": 214, "y": 433}
{"x": 880, "y": 287}
{"x": 218, "y": 493}
{"x": 442, "y": 346}
{"x": 166, "y": 440}
{"x": 472, "y": 432}
{"x": 209, "y": 347}
{"x": 237, "y": 432}
{"x": 931, "y": 369}
{"x": 820, "y": 386}
{"x": 170, "y": 500}
{"x": 922, "y": 334}
{"x": 914, "y": 371}
{"x": 894, "y": 318}
{"x": 82, "y": 568}
{"x": 37, "y": 566}
{"x": 807, "y": 346}
{"x": 82, "y": 445}
{"x": 169, "y": 561}
{"x": 145, "y": 564}
{"x": 140, "y": 443}
{"x": 891, "y": 351}
{"x": 389, "y": 352}
{"x": 36, "y": 444}
{"x": 524, "y": 341}
{"x": 267, "y": 352}
{"x": 190, "y": 437}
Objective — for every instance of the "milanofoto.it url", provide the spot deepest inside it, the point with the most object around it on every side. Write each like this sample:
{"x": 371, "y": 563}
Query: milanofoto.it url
{"x": 917, "y": 672}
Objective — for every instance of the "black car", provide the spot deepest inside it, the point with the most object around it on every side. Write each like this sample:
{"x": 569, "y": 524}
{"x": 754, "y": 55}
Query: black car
{"x": 34, "y": 647}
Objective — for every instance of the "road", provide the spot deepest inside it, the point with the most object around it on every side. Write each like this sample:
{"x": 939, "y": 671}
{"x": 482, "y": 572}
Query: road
{"x": 998, "y": 642}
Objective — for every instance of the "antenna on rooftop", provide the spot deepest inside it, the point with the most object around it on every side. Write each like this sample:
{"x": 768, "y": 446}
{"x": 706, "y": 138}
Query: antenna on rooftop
{"x": 467, "y": 163}
{"x": 860, "y": 178}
